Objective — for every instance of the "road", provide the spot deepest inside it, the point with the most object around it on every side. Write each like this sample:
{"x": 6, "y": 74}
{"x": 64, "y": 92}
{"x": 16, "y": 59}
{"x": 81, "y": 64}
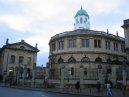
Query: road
{"x": 13, "y": 92}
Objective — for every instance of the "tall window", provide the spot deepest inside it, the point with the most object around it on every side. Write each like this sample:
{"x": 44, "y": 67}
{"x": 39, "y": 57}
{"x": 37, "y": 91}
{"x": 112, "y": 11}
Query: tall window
{"x": 85, "y": 71}
{"x": 21, "y": 58}
{"x": 115, "y": 46}
{"x": 81, "y": 20}
{"x": 72, "y": 71}
{"x": 97, "y": 43}
{"x": 53, "y": 47}
{"x": 85, "y": 43}
{"x": 29, "y": 61}
{"x": 61, "y": 45}
{"x": 12, "y": 60}
{"x": 107, "y": 44}
{"x": 122, "y": 47}
{"x": 72, "y": 43}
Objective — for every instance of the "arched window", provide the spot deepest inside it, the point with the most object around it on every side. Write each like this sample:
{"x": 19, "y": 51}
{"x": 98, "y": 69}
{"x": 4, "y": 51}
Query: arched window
{"x": 60, "y": 60}
{"x": 71, "y": 60}
{"x": 81, "y": 20}
{"x": 11, "y": 71}
{"x": 85, "y": 59}
{"x": 12, "y": 59}
{"x": 98, "y": 59}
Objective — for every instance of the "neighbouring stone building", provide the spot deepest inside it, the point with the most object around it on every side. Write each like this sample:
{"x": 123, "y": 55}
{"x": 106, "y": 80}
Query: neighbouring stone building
{"x": 18, "y": 60}
{"x": 40, "y": 72}
{"x": 87, "y": 55}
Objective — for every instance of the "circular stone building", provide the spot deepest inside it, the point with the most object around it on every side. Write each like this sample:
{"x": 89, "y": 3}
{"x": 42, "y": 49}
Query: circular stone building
{"x": 85, "y": 55}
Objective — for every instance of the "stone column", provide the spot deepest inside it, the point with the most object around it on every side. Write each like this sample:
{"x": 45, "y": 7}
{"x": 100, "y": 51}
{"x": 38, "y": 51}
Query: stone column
{"x": 18, "y": 76}
{"x": 46, "y": 73}
{"x": 124, "y": 76}
{"x": 62, "y": 76}
{"x": 100, "y": 76}
{"x": 33, "y": 79}
{"x": 81, "y": 76}
{"x": 125, "y": 26}
{"x": 5, "y": 77}
{"x": 114, "y": 75}
{"x": 24, "y": 75}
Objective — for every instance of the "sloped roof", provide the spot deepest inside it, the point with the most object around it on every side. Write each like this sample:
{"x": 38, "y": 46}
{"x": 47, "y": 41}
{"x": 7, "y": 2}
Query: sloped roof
{"x": 9, "y": 46}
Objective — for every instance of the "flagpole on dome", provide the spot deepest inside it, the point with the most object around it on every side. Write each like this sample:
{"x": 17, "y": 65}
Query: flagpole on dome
{"x": 81, "y": 6}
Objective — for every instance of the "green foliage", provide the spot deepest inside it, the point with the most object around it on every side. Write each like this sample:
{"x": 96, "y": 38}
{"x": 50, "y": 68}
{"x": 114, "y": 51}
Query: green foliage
{"x": 1, "y": 78}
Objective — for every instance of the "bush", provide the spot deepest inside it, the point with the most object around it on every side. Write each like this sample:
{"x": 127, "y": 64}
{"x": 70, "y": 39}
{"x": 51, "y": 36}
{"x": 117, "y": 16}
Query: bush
{"x": 1, "y": 78}
{"x": 51, "y": 86}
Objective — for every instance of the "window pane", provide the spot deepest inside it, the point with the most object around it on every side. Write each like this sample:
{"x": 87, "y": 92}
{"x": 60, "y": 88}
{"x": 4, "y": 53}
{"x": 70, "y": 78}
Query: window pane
{"x": 95, "y": 43}
{"x": 21, "y": 58}
{"x": 99, "y": 43}
{"x": 85, "y": 43}
{"x": 61, "y": 45}
{"x": 29, "y": 61}
{"x": 12, "y": 60}
{"x": 81, "y": 20}
{"x": 72, "y": 43}
{"x": 53, "y": 47}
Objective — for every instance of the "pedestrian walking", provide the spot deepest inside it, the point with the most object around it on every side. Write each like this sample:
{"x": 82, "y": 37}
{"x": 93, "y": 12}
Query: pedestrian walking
{"x": 109, "y": 91}
{"x": 77, "y": 86}
{"x": 98, "y": 86}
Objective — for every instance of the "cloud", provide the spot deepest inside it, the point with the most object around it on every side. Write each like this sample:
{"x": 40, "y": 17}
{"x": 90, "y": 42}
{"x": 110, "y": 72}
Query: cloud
{"x": 105, "y": 6}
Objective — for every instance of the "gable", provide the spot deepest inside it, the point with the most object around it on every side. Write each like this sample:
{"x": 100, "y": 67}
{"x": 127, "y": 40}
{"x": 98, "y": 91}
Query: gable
{"x": 21, "y": 46}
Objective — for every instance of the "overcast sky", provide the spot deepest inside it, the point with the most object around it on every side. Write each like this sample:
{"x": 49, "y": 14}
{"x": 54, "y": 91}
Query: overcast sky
{"x": 36, "y": 21}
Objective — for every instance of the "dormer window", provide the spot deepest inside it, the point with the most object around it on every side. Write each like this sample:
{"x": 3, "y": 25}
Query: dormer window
{"x": 22, "y": 47}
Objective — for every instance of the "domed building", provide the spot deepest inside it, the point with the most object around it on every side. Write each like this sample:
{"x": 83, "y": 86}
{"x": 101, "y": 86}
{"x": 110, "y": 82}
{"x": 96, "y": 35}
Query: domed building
{"x": 85, "y": 55}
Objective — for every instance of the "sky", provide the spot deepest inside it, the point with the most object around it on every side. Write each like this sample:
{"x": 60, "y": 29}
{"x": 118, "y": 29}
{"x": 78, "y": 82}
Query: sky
{"x": 36, "y": 21}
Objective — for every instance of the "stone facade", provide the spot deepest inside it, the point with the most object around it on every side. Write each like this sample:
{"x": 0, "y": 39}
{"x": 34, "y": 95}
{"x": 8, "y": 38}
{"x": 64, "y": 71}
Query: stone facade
{"x": 86, "y": 59}
{"x": 87, "y": 56}
{"x": 18, "y": 60}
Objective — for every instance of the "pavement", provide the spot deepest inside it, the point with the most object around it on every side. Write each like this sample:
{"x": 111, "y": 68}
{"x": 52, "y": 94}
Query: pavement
{"x": 86, "y": 92}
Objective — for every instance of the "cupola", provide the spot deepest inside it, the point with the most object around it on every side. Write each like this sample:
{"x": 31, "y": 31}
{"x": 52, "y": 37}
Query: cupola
{"x": 81, "y": 20}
